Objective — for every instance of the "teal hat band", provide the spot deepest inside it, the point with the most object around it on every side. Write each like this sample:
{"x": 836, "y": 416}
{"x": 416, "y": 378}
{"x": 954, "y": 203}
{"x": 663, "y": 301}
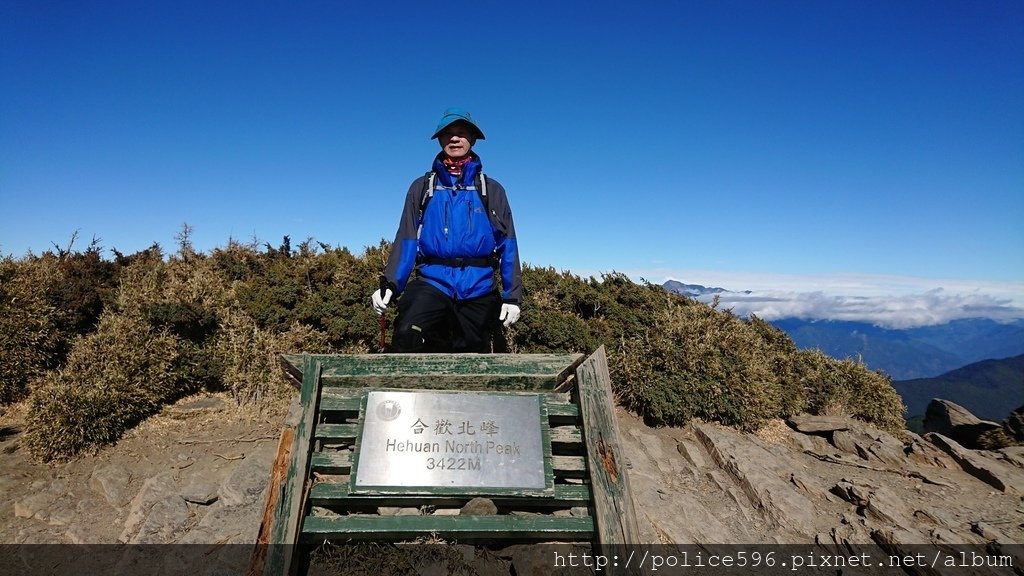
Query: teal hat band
{"x": 453, "y": 115}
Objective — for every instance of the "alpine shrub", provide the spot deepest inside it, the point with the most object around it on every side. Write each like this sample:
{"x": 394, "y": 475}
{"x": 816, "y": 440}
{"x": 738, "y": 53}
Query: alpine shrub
{"x": 169, "y": 325}
{"x": 114, "y": 377}
{"x": 85, "y": 287}
{"x": 31, "y": 341}
{"x": 250, "y": 356}
{"x": 845, "y": 387}
{"x": 703, "y": 363}
{"x": 325, "y": 290}
{"x": 560, "y": 306}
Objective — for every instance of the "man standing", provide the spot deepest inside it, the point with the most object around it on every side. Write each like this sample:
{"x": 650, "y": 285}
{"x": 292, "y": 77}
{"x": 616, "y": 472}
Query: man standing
{"x": 456, "y": 229}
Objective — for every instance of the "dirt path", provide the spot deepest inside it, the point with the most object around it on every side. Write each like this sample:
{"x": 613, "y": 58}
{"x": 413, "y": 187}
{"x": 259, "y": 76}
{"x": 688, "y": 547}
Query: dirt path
{"x": 194, "y": 445}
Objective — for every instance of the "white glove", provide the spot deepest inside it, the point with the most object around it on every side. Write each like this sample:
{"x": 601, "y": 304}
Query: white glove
{"x": 381, "y": 303}
{"x": 509, "y": 314}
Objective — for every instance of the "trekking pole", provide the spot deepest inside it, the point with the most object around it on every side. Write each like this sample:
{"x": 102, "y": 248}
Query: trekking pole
{"x": 383, "y": 318}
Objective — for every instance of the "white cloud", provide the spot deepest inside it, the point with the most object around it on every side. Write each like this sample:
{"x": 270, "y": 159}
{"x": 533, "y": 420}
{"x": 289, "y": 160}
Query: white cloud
{"x": 905, "y": 311}
{"x": 892, "y": 302}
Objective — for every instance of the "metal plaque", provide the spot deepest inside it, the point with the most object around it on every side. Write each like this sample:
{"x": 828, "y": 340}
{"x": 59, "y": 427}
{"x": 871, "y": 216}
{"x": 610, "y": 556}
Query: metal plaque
{"x": 439, "y": 439}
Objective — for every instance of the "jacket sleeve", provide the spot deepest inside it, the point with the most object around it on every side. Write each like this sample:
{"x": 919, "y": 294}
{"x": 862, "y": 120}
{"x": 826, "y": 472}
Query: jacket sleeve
{"x": 508, "y": 248}
{"x": 405, "y": 247}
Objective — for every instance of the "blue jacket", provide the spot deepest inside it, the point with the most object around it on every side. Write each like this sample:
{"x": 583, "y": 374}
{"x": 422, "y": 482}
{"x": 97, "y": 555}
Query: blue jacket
{"x": 455, "y": 225}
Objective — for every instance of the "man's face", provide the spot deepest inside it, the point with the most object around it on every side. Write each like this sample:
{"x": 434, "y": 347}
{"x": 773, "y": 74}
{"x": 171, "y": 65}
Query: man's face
{"x": 456, "y": 140}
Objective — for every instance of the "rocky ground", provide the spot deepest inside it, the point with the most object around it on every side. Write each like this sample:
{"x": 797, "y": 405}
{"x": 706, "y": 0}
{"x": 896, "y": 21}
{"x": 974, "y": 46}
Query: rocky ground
{"x": 820, "y": 480}
{"x": 197, "y": 473}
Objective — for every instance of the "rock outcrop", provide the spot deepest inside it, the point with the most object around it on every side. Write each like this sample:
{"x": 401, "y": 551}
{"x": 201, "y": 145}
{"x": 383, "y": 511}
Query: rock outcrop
{"x": 956, "y": 422}
{"x": 827, "y": 482}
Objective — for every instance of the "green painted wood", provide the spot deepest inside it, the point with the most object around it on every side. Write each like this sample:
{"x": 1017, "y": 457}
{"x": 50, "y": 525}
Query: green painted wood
{"x": 563, "y": 413}
{"x": 338, "y": 403}
{"x": 337, "y": 431}
{"x": 337, "y": 494}
{"x": 290, "y": 505}
{"x": 455, "y": 491}
{"x": 545, "y": 445}
{"x": 566, "y": 435}
{"x": 444, "y": 364}
{"x": 331, "y": 462}
{"x": 613, "y": 503}
{"x": 459, "y": 527}
{"x": 468, "y": 382}
{"x": 569, "y": 466}
{"x": 447, "y": 371}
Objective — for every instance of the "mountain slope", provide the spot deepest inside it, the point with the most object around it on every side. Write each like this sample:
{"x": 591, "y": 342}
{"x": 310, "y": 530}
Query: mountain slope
{"x": 974, "y": 340}
{"x": 903, "y": 354}
{"x": 895, "y": 352}
{"x": 990, "y": 389}
{"x": 922, "y": 352}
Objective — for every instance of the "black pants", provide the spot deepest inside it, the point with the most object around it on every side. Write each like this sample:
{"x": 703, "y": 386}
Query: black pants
{"x": 429, "y": 321}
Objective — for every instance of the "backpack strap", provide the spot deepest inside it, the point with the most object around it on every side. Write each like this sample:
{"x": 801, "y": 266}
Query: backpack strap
{"x": 430, "y": 178}
{"x": 481, "y": 189}
{"x": 428, "y": 192}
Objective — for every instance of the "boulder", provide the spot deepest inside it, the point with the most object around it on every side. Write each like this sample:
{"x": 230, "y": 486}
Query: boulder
{"x": 479, "y": 507}
{"x": 33, "y": 505}
{"x": 870, "y": 445}
{"x": 165, "y": 520}
{"x": 227, "y": 525}
{"x": 249, "y": 479}
{"x": 153, "y": 490}
{"x": 1014, "y": 455}
{"x": 111, "y": 482}
{"x": 38, "y": 505}
{"x": 954, "y": 421}
{"x": 202, "y": 493}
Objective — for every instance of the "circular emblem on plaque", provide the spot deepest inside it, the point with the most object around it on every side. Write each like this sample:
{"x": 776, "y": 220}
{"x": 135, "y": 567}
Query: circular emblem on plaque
{"x": 388, "y": 410}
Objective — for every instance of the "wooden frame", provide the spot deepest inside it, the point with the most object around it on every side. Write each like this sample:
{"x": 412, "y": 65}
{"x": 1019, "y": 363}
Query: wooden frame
{"x": 582, "y": 454}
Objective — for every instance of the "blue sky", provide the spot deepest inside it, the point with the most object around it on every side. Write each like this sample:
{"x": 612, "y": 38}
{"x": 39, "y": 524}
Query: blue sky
{"x": 860, "y": 149}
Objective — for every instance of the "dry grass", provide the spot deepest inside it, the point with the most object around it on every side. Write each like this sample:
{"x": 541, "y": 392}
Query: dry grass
{"x": 15, "y": 414}
{"x": 774, "y": 431}
{"x": 428, "y": 555}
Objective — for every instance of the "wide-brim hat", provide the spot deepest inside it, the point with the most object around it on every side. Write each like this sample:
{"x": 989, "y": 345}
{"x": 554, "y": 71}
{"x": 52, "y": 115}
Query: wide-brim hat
{"x": 453, "y": 115}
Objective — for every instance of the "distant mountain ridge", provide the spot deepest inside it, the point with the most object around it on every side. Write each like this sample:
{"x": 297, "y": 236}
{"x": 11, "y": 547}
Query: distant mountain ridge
{"x": 903, "y": 354}
{"x": 922, "y": 352}
{"x": 990, "y": 389}
{"x": 693, "y": 290}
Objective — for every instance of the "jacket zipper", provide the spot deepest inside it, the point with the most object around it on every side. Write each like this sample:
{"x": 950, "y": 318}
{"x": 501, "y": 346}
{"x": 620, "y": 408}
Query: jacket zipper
{"x": 447, "y": 214}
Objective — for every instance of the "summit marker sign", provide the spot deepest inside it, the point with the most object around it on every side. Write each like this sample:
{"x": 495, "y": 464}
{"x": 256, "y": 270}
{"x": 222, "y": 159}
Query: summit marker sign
{"x": 449, "y": 440}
